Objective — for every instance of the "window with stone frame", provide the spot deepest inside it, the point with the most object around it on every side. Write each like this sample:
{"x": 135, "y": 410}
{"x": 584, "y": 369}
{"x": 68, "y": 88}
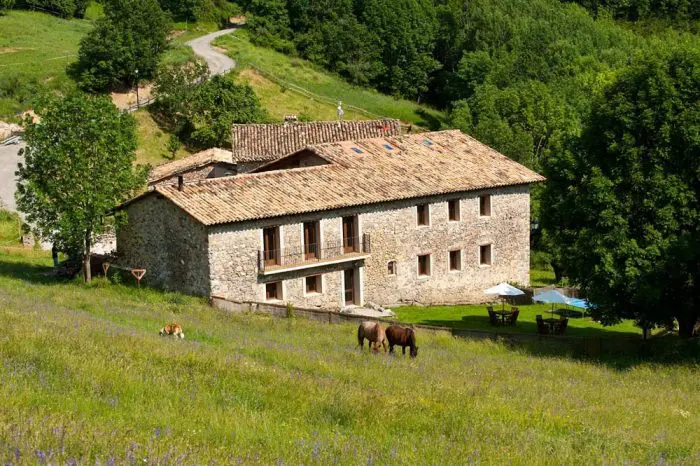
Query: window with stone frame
{"x": 423, "y": 215}
{"x": 424, "y": 265}
{"x": 485, "y": 205}
{"x": 453, "y": 210}
{"x": 273, "y": 291}
{"x": 485, "y": 254}
{"x": 455, "y": 260}
{"x": 313, "y": 284}
{"x": 391, "y": 268}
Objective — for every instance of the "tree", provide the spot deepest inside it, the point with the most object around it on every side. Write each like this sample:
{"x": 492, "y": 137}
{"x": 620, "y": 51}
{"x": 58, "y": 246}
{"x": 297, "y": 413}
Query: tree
{"x": 6, "y": 5}
{"x": 201, "y": 112}
{"x": 624, "y": 204}
{"x": 175, "y": 88}
{"x": 126, "y": 43}
{"x": 77, "y": 167}
{"x": 218, "y": 104}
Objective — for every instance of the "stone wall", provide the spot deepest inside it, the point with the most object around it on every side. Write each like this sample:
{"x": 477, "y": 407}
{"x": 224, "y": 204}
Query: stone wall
{"x": 168, "y": 243}
{"x": 396, "y": 237}
{"x": 233, "y": 252}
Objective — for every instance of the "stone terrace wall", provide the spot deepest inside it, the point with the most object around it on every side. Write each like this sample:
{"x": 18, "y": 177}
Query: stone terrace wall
{"x": 168, "y": 243}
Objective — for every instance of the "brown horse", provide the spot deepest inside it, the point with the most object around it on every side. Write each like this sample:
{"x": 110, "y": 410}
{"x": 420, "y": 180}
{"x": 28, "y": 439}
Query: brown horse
{"x": 172, "y": 329}
{"x": 374, "y": 333}
{"x": 403, "y": 337}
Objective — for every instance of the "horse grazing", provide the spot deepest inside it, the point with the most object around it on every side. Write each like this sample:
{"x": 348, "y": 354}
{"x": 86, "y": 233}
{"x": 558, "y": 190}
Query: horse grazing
{"x": 172, "y": 329}
{"x": 403, "y": 337}
{"x": 374, "y": 333}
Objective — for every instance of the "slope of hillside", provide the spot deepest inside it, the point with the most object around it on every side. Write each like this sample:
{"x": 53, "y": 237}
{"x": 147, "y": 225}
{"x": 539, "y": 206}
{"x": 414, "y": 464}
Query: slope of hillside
{"x": 301, "y": 78}
{"x": 34, "y": 51}
{"x": 86, "y": 378}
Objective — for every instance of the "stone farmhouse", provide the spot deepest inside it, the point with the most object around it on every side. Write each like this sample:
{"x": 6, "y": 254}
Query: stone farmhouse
{"x": 430, "y": 218}
{"x": 257, "y": 144}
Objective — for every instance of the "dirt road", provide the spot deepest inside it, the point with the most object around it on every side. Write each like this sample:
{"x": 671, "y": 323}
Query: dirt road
{"x": 218, "y": 62}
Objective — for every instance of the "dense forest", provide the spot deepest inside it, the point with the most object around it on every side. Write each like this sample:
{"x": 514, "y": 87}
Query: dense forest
{"x": 517, "y": 74}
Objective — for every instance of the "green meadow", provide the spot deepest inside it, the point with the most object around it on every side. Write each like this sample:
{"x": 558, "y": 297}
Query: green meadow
{"x": 35, "y": 49}
{"x": 291, "y": 71}
{"x": 86, "y": 379}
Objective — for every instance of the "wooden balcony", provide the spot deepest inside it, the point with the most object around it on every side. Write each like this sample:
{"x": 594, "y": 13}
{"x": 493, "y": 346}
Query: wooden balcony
{"x": 313, "y": 255}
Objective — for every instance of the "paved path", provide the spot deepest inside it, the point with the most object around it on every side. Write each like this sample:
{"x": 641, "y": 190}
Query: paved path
{"x": 8, "y": 166}
{"x": 218, "y": 62}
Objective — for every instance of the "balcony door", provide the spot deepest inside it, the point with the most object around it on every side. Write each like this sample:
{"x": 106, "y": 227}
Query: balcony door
{"x": 271, "y": 245}
{"x": 350, "y": 234}
{"x": 349, "y": 282}
{"x": 312, "y": 240}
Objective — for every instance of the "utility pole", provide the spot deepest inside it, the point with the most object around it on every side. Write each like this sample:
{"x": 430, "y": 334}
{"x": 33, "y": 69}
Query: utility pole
{"x": 136, "y": 71}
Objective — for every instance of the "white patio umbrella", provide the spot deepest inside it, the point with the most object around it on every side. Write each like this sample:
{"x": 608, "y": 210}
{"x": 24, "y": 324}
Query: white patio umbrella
{"x": 504, "y": 290}
{"x": 552, "y": 297}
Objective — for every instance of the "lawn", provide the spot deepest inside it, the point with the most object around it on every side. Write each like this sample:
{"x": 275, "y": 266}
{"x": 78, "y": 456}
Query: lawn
{"x": 87, "y": 378}
{"x": 298, "y": 72}
{"x": 475, "y": 317}
{"x": 34, "y": 51}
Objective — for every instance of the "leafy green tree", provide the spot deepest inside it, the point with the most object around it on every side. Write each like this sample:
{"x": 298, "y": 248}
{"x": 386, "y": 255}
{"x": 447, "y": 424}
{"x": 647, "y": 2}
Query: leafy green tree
{"x": 124, "y": 45}
{"x": 6, "y": 5}
{"x": 63, "y": 8}
{"x": 268, "y": 21}
{"x": 78, "y": 165}
{"x": 624, "y": 205}
{"x": 216, "y": 105}
{"x": 175, "y": 89}
{"x": 201, "y": 111}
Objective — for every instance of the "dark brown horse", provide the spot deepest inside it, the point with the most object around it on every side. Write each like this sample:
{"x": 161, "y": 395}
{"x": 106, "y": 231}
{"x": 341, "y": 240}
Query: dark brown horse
{"x": 403, "y": 337}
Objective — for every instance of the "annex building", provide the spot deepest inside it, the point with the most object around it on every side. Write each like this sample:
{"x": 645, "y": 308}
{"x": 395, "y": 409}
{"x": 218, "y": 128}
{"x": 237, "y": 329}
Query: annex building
{"x": 429, "y": 218}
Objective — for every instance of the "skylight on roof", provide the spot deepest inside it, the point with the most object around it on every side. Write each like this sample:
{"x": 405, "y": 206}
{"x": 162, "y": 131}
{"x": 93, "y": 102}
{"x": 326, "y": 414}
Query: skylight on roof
{"x": 356, "y": 150}
{"x": 388, "y": 147}
{"x": 427, "y": 142}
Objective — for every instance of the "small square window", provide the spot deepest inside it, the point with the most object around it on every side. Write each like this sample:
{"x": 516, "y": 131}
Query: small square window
{"x": 273, "y": 291}
{"x": 453, "y": 207}
{"x": 485, "y": 254}
{"x": 485, "y": 205}
{"x": 313, "y": 284}
{"x": 423, "y": 212}
{"x": 391, "y": 268}
{"x": 424, "y": 265}
{"x": 456, "y": 260}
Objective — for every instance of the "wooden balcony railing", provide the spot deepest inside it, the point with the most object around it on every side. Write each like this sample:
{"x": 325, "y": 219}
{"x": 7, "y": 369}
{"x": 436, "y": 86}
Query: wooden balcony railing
{"x": 314, "y": 253}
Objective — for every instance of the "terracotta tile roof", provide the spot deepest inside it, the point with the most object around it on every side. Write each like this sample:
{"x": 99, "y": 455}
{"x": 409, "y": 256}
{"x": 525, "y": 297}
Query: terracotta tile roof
{"x": 361, "y": 172}
{"x": 168, "y": 169}
{"x": 263, "y": 142}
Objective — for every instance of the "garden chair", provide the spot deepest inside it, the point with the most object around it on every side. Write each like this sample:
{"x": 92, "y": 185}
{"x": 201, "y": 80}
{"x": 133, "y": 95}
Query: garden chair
{"x": 493, "y": 318}
{"x": 562, "y": 326}
{"x": 542, "y": 328}
{"x": 513, "y": 319}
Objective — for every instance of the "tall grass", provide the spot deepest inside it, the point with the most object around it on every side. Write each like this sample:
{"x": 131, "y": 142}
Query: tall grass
{"x": 86, "y": 378}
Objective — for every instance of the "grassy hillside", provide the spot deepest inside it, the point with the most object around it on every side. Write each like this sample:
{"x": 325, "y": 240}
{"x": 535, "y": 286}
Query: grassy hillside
{"x": 298, "y": 72}
{"x": 86, "y": 377}
{"x": 152, "y": 140}
{"x": 34, "y": 51}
